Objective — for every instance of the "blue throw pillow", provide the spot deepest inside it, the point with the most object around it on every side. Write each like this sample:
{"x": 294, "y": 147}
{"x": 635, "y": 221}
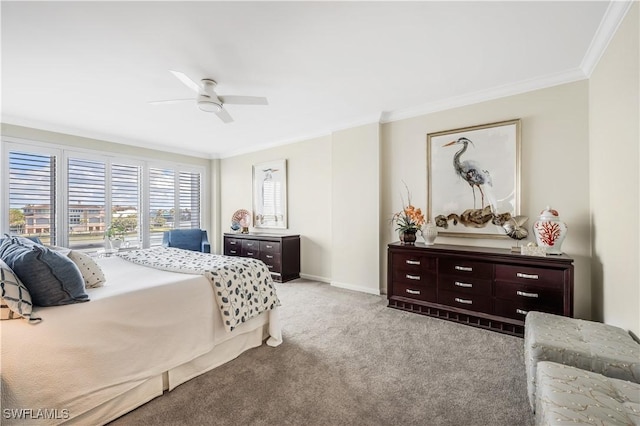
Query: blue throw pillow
{"x": 51, "y": 277}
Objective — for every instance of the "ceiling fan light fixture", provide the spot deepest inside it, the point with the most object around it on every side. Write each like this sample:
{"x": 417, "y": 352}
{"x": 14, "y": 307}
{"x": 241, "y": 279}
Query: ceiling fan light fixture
{"x": 209, "y": 106}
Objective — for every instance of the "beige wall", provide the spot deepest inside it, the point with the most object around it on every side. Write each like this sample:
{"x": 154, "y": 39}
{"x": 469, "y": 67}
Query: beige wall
{"x": 554, "y": 168}
{"x": 355, "y": 208}
{"x": 615, "y": 182}
{"x": 309, "y": 197}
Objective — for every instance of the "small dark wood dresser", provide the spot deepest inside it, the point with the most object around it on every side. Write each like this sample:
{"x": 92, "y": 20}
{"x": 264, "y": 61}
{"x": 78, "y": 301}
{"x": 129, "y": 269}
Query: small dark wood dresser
{"x": 281, "y": 253}
{"x": 483, "y": 287}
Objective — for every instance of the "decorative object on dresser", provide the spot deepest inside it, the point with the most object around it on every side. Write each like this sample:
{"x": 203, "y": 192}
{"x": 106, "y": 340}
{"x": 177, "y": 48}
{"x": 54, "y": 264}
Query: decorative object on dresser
{"x": 514, "y": 228}
{"x": 474, "y": 195}
{"x": 429, "y": 233}
{"x": 281, "y": 253}
{"x": 409, "y": 221}
{"x": 240, "y": 221}
{"x": 270, "y": 195}
{"x": 550, "y": 231}
{"x": 483, "y": 287}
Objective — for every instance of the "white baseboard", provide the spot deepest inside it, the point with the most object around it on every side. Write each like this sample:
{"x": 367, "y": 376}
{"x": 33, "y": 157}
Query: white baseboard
{"x": 355, "y": 288}
{"x": 315, "y": 278}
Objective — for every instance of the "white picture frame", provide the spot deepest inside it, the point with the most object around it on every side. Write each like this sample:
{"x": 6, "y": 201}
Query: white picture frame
{"x": 270, "y": 195}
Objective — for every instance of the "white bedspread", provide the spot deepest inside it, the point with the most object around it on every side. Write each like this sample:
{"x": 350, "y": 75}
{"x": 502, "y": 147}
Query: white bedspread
{"x": 142, "y": 323}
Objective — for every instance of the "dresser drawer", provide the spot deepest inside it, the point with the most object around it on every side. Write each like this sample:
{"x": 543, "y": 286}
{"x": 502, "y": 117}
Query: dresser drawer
{"x": 427, "y": 294}
{"x": 466, "y": 285}
{"x": 232, "y": 247}
{"x": 413, "y": 263}
{"x": 419, "y": 278}
{"x": 530, "y": 275}
{"x": 272, "y": 261}
{"x": 472, "y": 302}
{"x": 533, "y": 295}
{"x": 462, "y": 267}
{"x": 269, "y": 247}
{"x": 251, "y": 245}
{"x": 517, "y": 309}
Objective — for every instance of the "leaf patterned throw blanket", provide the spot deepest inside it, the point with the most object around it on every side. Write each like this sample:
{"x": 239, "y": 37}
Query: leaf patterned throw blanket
{"x": 243, "y": 286}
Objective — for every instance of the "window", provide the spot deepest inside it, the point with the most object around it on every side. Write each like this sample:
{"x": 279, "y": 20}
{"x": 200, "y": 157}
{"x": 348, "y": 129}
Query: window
{"x": 189, "y": 200}
{"x": 32, "y": 195}
{"x": 174, "y": 201}
{"x": 69, "y": 198}
{"x": 86, "y": 196}
{"x": 125, "y": 202}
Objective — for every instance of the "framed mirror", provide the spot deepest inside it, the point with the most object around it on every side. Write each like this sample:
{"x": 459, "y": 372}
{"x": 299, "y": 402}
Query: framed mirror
{"x": 270, "y": 194}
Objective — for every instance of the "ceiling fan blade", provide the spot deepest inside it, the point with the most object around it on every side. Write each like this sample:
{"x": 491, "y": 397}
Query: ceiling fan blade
{"x": 224, "y": 115}
{"x": 186, "y": 81}
{"x": 243, "y": 100}
{"x": 170, "y": 101}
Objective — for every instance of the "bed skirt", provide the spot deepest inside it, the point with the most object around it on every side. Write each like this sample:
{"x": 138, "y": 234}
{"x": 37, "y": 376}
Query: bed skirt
{"x": 169, "y": 380}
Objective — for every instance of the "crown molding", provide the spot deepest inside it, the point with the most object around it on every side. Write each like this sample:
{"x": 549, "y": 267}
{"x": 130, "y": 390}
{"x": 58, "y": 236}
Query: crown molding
{"x": 486, "y": 95}
{"x": 613, "y": 16}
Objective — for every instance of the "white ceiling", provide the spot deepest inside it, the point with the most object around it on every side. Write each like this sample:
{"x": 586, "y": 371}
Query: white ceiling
{"x": 90, "y": 68}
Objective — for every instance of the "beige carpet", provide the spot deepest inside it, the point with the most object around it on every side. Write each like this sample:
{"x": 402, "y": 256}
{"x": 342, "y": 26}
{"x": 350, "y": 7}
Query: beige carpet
{"x": 347, "y": 359}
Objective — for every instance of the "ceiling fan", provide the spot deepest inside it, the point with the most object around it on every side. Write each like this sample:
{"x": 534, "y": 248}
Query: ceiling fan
{"x": 207, "y": 99}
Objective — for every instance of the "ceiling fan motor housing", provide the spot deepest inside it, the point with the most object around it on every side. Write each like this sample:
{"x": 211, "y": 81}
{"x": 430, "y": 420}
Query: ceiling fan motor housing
{"x": 207, "y": 99}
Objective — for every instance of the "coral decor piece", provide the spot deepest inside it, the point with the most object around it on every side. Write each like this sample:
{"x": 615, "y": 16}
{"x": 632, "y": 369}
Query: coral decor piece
{"x": 550, "y": 231}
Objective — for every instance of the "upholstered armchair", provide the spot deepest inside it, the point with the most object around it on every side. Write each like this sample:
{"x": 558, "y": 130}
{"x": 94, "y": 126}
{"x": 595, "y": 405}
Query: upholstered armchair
{"x": 188, "y": 239}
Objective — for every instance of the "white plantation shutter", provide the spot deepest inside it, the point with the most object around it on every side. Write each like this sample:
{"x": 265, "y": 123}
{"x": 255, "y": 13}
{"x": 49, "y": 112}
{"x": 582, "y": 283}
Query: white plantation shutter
{"x": 189, "y": 200}
{"x": 32, "y": 195}
{"x": 162, "y": 190}
{"x": 69, "y": 198}
{"x": 125, "y": 199}
{"x": 174, "y": 201}
{"x": 86, "y": 202}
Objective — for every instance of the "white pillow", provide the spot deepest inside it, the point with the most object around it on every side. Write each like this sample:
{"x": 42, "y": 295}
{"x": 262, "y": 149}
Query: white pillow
{"x": 90, "y": 270}
{"x": 16, "y": 300}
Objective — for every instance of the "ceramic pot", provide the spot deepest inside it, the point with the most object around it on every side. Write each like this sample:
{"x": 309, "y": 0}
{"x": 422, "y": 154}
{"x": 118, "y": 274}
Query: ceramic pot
{"x": 550, "y": 231}
{"x": 429, "y": 233}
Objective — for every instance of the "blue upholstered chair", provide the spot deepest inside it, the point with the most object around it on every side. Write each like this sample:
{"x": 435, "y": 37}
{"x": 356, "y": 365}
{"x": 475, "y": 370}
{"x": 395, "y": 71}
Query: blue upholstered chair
{"x": 188, "y": 239}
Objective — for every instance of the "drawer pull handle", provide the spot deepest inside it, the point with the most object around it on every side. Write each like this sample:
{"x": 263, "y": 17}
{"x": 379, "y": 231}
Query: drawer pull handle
{"x": 413, "y": 262}
{"x": 270, "y": 266}
{"x": 269, "y": 256}
{"x": 413, "y": 277}
{"x": 527, "y": 276}
{"x": 465, "y": 285}
{"x": 233, "y": 251}
{"x": 249, "y": 253}
{"x": 268, "y": 246}
{"x": 525, "y": 294}
{"x": 413, "y": 291}
{"x": 233, "y": 243}
{"x": 521, "y": 312}
{"x": 465, "y": 301}
{"x": 463, "y": 268}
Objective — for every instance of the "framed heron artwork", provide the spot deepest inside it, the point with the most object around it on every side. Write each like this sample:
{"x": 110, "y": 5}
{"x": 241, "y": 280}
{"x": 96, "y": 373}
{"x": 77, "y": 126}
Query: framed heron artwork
{"x": 473, "y": 178}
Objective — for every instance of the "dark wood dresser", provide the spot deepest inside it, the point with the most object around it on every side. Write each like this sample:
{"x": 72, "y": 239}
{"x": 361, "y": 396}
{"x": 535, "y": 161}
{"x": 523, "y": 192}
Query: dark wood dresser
{"x": 483, "y": 287}
{"x": 281, "y": 253}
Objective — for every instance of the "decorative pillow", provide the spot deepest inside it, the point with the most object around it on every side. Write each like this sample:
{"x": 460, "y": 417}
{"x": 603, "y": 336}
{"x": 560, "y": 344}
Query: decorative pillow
{"x": 51, "y": 278}
{"x": 15, "y": 301}
{"x": 90, "y": 270}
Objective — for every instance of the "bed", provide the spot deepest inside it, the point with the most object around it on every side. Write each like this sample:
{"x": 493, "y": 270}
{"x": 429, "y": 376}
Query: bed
{"x": 144, "y": 332}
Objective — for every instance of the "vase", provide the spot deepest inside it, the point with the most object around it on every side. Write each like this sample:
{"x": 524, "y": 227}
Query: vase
{"x": 429, "y": 233}
{"x": 550, "y": 231}
{"x": 408, "y": 237}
